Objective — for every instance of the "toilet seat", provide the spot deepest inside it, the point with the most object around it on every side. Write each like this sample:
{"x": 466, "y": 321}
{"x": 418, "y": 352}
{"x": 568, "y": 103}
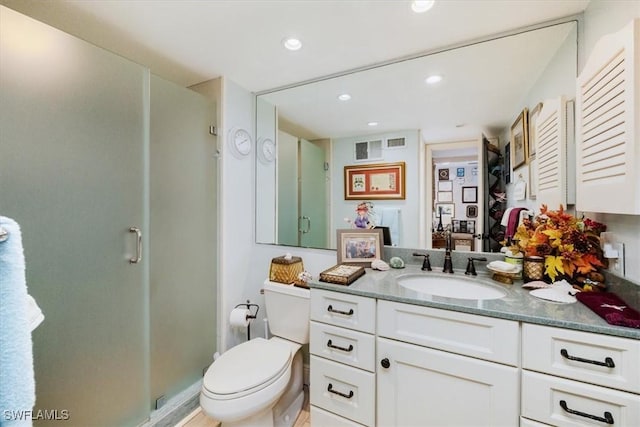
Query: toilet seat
{"x": 247, "y": 368}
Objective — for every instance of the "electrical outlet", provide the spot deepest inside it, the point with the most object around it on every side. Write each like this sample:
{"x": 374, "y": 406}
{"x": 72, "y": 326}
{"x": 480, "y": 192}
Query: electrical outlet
{"x": 614, "y": 252}
{"x": 617, "y": 265}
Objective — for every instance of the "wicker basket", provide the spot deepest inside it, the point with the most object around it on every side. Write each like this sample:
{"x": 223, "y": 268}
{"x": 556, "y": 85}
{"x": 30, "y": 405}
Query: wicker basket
{"x": 285, "y": 270}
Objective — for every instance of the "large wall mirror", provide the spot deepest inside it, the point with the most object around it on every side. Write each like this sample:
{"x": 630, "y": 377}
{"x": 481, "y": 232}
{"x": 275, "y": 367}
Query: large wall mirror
{"x": 308, "y": 134}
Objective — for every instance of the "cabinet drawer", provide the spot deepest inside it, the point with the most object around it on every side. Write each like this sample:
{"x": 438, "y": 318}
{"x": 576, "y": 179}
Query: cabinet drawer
{"x": 322, "y": 418}
{"x": 343, "y": 390}
{"x": 526, "y": 422}
{"x": 343, "y": 345}
{"x": 542, "y": 396}
{"x": 345, "y": 310}
{"x": 551, "y": 350}
{"x": 470, "y": 335}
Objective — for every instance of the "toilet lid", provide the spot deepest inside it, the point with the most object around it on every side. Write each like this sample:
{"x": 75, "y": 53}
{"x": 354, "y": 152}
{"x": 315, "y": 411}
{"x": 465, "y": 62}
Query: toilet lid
{"x": 246, "y": 366}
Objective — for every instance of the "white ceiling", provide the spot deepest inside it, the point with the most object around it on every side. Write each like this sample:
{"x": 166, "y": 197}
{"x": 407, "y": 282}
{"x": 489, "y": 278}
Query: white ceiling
{"x": 191, "y": 41}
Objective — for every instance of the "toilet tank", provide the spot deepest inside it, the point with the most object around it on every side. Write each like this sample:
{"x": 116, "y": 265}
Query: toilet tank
{"x": 288, "y": 311}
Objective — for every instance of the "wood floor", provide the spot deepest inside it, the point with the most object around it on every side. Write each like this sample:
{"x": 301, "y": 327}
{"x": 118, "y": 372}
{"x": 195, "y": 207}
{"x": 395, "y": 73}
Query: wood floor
{"x": 198, "y": 419}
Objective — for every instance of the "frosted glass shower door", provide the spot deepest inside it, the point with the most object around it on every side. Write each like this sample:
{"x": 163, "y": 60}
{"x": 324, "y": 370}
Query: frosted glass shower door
{"x": 313, "y": 200}
{"x": 73, "y": 162}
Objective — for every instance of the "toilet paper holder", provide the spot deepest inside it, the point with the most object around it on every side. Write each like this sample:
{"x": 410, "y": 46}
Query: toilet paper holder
{"x": 251, "y": 316}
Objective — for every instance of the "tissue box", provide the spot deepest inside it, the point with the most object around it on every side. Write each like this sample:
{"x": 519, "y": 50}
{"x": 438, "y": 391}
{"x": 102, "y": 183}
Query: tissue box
{"x": 285, "y": 270}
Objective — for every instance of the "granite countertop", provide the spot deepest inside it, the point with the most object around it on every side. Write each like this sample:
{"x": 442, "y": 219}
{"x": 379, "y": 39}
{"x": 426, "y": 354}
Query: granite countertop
{"x": 516, "y": 305}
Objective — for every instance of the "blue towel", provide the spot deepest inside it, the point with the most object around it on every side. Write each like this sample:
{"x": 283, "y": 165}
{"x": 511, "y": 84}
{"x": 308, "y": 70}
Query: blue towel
{"x": 17, "y": 385}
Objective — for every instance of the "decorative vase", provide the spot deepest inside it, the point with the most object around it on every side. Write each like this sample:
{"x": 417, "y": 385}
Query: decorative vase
{"x": 533, "y": 268}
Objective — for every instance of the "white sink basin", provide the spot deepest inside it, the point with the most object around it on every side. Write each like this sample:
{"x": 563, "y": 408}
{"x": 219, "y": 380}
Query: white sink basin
{"x": 450, "y": 287}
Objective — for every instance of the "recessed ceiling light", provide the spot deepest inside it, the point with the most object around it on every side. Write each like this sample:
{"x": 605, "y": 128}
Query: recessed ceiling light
{"x": 372, "y": 124}
{"x": 433, "y": 79}
{"x": 422, "y": 6}
{"x": 292, "y": 43}
{"x": 344, "y": 97}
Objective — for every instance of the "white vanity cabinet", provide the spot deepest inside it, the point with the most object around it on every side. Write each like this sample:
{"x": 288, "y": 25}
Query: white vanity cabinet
{"x": 385, "y": 363}
{"x": 342, "y": 347}
{"x": 421, "y": 381}
{"x": 573, "y": 378}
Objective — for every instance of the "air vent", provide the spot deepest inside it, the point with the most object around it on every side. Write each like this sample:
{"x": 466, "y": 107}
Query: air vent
{"x": 368, "y": 150}
{"x": 396, "y": 143}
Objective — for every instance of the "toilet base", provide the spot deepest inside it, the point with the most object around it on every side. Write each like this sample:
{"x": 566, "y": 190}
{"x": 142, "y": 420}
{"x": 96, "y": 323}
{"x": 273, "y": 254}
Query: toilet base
{"x": 288, "y": 418}
{"x": 283, "y": 412}
{"x": 288, "y": 407}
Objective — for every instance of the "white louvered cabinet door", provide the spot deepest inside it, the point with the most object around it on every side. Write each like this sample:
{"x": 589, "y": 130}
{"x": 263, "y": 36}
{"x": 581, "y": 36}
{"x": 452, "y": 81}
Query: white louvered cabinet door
{"x": 608, "y": 125}
{"x": 552, "y": 155}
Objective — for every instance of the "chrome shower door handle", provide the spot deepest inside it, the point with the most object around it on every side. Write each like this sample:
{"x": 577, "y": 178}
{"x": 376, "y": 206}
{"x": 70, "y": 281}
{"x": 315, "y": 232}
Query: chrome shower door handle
{"x": 138, "y": 256}
{"x": 300, "y": 220}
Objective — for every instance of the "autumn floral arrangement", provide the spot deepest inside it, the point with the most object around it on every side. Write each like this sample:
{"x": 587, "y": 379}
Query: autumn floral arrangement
{"x": 570, "y": 246}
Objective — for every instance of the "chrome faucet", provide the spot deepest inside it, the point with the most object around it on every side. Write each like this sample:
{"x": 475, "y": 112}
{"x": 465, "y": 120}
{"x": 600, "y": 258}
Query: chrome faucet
{"x": 448, "y": 264}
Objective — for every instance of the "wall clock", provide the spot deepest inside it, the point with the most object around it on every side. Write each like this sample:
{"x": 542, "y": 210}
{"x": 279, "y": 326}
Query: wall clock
{"x": 266, "y": 150}
{"x": 239, "y": 141}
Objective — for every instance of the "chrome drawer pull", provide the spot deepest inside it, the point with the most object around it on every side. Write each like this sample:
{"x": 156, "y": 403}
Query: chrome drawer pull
{"x": 330, "y": 345}
{"x": 347, "y": 396}
{"x": 346, "y": 313}
{"x": 608, "y": 362}
{"x": 608, "y": 418}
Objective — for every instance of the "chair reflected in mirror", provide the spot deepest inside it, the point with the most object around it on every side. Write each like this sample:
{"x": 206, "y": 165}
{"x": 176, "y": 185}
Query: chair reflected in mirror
{"x": 386, "y": 235}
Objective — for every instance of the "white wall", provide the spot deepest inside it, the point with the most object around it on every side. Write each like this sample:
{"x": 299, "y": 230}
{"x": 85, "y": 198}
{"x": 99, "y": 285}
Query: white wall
{"x": 266, "y": 197}
{"x": 469, "y": 179}
{"x": 554, "y": 81}
{"x": 600, "y": 18}
{"x": 244, "y": 265}
{"x": 236, "y": 201}
{"x": 343, "y": 155}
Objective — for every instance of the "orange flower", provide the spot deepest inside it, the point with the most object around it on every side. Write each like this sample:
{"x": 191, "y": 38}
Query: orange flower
{"x": 569, "y": 245}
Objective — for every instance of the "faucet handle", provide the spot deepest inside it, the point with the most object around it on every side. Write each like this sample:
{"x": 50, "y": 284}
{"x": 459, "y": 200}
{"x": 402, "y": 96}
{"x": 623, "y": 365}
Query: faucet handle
{"x": 426, "y": 264}
{"x": 471, "y": 268}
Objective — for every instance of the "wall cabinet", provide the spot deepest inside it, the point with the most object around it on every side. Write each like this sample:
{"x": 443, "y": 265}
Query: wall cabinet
{"x": 608, "y": 125}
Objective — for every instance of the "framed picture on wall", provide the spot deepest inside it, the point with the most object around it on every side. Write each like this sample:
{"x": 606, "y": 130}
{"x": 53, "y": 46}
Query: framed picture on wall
{"x": 469, "y": 194}
{"x": 520, "y": 140}
{"x": 472, "y": 211}
{"x": 443, "y": 174}
{"x": 380, "y": 181}
{"x": 445, "y": 196}
{"x": 459, "y": 172}
{"x": 445, "y": 185}
{"x": 533, "y": 116}
{"x": 446, "y": 209}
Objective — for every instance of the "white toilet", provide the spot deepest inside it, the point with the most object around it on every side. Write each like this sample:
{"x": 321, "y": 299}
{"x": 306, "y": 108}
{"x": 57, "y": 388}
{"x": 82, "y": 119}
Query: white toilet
{"x": 259, "y": 382}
